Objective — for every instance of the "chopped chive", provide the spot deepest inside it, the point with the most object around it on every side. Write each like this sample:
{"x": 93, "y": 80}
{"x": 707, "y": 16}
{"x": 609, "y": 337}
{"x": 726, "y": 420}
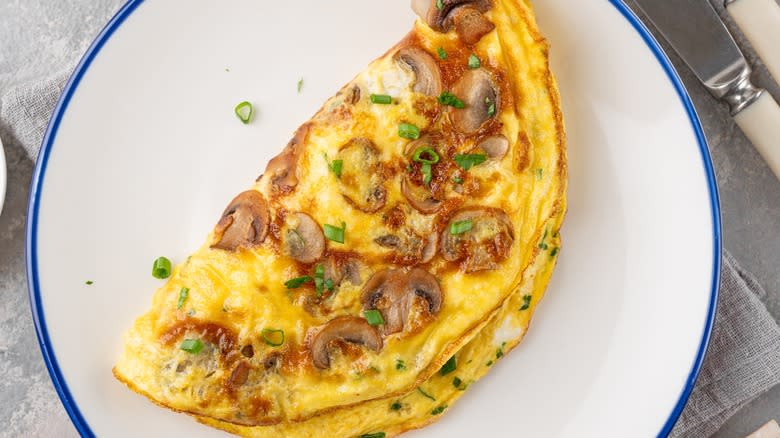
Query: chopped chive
{"x": 184, "y": 293}
{"x": 319, "y": 279}
{"x": 373, "y": 435}
{"x": 439, "y": 409}
{"x": 458, "y": 384}
{"x": 161, "y": 268}
{"x": 273, "y": 337}
{"x": 500, "y": 353}
{"x": 193, "y": 346}
{"x": 447, "y": 98}
{"x": 396, "y": 406}
{"x": 526, "y": 302}
{"x": 244, "y": 111}
{"x": 90, "y": 282}
{"x": 439, "y": 4}
{"x": 554, "y": 252}
{"x": 408, "y": 131}
{"x": 457, "y": 180}
{"x": 336, "y": 166}
{"x": 334, "y": 233}
{"x": 539, "y": 174}
{"x": 300, "y": 84}
{"x": 382, "y": 99}
{"x": 461, "y": 227}
{"x": 490, "y": 363}
{"x": 427, "y": 172}
{"x": 400, "y": 365}
{"x": 449, "y": 366}
{"x": 374, "y": 317}
{"x": 442, "y": 53}
{"x": 425, "y": 154}
{"x": 425, "y": 394}
{"x": 467, "y": 161}
{"x": 329, "y": 284}
{"x": 295, "y": 283}
{"x": 474, "y": 62}
{"x": 491, "y": 107}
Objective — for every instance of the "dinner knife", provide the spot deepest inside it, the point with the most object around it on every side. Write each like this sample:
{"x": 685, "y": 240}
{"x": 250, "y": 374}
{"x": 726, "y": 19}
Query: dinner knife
{"x": 695, "y": 31}
{"x": 759, "y": 20}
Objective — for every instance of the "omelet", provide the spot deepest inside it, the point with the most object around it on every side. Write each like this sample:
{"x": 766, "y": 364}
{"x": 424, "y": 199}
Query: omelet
{"x": 407, "y": 226}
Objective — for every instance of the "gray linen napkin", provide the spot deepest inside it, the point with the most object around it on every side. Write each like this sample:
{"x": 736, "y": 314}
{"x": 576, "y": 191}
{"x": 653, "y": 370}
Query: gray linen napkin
{"x": 742, "y": 362}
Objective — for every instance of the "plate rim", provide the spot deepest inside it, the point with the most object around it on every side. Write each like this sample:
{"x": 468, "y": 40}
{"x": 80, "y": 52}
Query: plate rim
{"x": 130, "y": 6}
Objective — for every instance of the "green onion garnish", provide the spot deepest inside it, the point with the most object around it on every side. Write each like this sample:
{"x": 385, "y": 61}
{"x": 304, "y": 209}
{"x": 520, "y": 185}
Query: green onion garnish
{"x": 467, "y": 161}
{"x": 273, "y": 337}
{"x": 425, "y": 154}
{"x": 439, "y": 4}
{"x": 539, "y": 174}
{"x": 447, "y": 98}
{"x": 458, "y": 384}
{"x": 161, "y": 268}
{"x": 319, "y": 279}
{"x": 461, "y": 227}
{"x": 489, "y": 363}
{"x": 295, "y": 283}
{"x": 300, "y": 84}
{"x": 457, "y": 180}
{"x": 442, "y": 53}
{"x": 334, "y": 233}
{"x": 554, "y": 252}
{"x": 335, "y": 166}
{"x": 382, "y": 99}
{"x": 427, "y": 172}
{"x": 474, "y": 62}
{"x": 449, "y": 366}
{"x": 329, "y": 284}
{"x": 491, "y": 107}
{"x": 396, "y": 406}
{"x": 408, "y": 131}
{"x": 400, "y": 365}
{"x": 526, "y": 302}
{"x": 374, "y": 317}
{"x": 439, "y": 410}
{"x": 183, "y": 294}
{"x": 373, "y": 435}
{"x": 244, "y": 112}
{"x": 192, "y": 346}
{"x": 543, "y": 246}
{"x": 90, "y": 282}
{"x": 425, "y": 394}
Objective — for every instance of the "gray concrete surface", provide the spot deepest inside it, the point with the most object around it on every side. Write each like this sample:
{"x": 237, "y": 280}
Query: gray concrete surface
{"x": 32, "y": 35}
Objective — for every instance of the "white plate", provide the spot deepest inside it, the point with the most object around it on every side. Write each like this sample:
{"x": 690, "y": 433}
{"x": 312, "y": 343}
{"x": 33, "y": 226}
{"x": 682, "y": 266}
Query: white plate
{"x": 144, "y": 150}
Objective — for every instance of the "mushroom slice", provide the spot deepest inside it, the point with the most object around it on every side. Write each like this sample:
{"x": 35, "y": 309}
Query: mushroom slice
{"x": 485, "y": 241}
{"x": 393, "y": 292}
{"x": 303, "y": 239}
{"x": 282, "y": 168}
{"x": 345, "y": 328}
{"x": 342, "y": 268}
{"x": 477, "y": 90}
{"x": 471, "y": 25}
{"x": 426, "y": 72}
{"x": 410, "y": 247}
{"x": 244, "y": 223}
{"x": 495, "y": 146}
{"x": 362, "y": 175}
{"x": 440, "y": 19}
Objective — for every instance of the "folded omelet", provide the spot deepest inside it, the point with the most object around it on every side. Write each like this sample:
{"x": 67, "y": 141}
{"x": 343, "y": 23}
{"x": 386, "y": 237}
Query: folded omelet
{"x": 414, "y": 219}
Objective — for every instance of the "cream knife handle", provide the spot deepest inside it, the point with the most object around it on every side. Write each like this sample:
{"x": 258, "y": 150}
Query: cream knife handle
{"x": 761, "y": 124}
{"x": 759, "y": 20}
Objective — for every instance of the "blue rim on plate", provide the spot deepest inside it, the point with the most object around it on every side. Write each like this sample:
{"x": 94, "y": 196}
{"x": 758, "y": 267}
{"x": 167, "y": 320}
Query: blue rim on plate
{"x": 40, "y": 170}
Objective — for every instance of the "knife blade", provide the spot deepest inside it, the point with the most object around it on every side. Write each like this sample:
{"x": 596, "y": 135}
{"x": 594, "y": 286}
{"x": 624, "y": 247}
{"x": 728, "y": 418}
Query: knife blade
{"x": 698, "y": 35}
